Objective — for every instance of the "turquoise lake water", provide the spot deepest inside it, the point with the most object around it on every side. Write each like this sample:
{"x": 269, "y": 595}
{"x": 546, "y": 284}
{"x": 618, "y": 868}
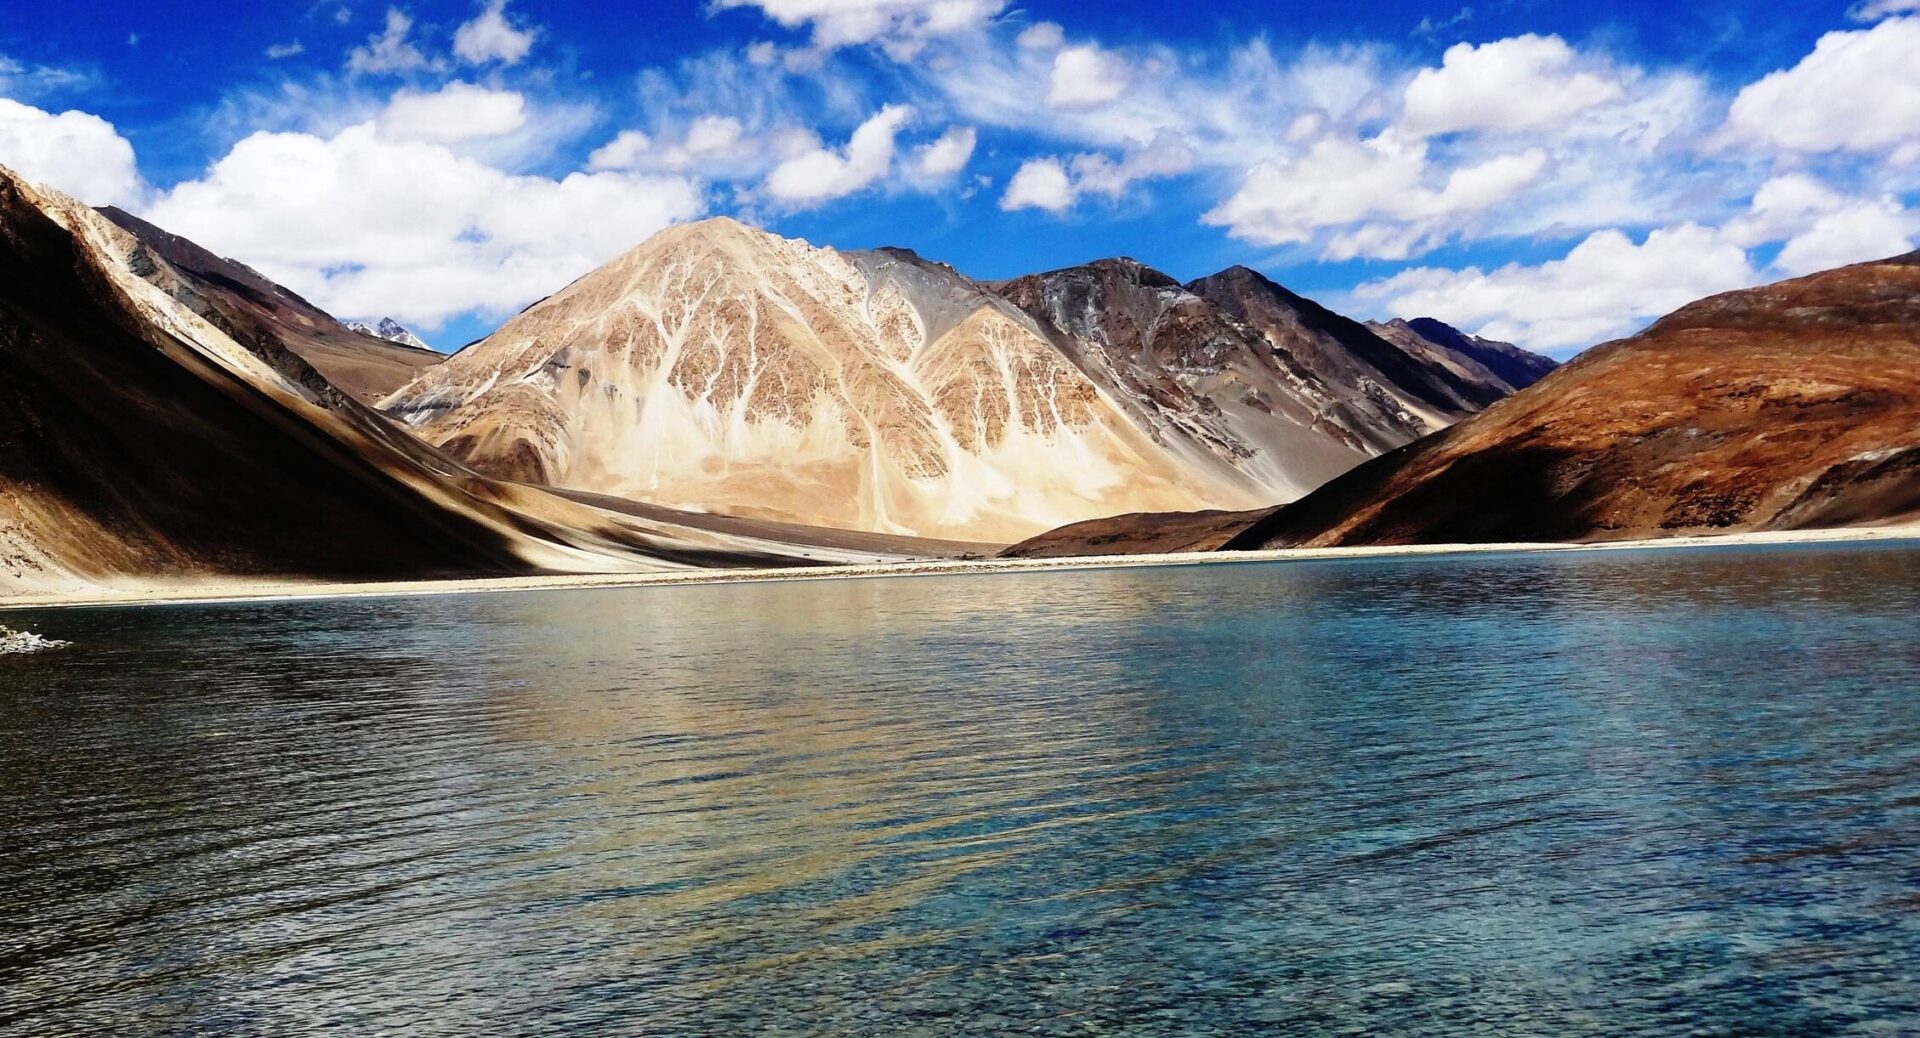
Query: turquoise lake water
{"x": 1672, "y": 792}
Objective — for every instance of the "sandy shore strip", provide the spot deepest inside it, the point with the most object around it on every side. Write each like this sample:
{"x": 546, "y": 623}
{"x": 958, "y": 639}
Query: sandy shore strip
{"x": 222, "y": 590}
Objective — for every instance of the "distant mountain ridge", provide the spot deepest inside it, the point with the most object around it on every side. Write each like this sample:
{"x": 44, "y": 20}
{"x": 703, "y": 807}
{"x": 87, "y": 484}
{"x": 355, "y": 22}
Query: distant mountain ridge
{"x": 170, "y": 414}
{"x": 1510, "y": 365}
{"x": 1786, "y": 407}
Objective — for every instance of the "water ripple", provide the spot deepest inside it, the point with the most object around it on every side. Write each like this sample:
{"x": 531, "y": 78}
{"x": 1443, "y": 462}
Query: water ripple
{"x": 1653, "y": 793}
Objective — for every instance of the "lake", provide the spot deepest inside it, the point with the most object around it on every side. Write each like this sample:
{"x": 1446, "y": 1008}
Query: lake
{"x": 1644, "y": 792}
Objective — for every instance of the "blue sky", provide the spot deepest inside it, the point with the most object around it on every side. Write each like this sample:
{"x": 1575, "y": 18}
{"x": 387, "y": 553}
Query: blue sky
{"x": 1553, "y": 173}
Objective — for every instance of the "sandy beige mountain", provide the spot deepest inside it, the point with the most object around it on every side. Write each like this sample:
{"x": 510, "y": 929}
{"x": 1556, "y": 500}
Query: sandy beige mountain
{"x": 719, "y": 367}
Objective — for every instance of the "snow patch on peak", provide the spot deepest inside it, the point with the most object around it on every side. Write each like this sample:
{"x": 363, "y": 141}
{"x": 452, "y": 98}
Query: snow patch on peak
{"x": 391, "y": 330}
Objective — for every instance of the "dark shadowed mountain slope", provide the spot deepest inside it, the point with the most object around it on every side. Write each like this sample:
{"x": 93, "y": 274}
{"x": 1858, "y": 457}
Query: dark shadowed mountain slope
{"x": 366, "y": 366}
{"x": 1140, "y": 533}
{"x": 130, "y": 450}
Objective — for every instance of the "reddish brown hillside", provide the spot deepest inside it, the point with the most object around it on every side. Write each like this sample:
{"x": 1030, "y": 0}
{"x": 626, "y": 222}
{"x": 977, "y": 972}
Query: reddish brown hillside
{"x": 1791, "y": 406}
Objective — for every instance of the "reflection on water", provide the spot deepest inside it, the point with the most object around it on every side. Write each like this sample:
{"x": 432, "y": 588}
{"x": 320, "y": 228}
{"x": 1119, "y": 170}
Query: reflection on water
{"x": 1663, "y": 792}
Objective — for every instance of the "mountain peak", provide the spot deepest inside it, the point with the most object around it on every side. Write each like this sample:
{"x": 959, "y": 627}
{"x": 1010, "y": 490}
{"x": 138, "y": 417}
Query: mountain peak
{"x": 1130, "y": 269}
{"x": 391, "y": 330}
{"x": 717, "y": 224}
{"x": 1435, "y": 329}
{"x": 1240, "y": 271}
{"x": 1228, "y": 286}
{"x": 722, "y": 234}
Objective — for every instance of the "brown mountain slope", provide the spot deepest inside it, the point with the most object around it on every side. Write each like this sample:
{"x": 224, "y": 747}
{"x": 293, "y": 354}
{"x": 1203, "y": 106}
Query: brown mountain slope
{"x": 365, "y": 366}
{"x": 1139, "y": 533}
{"x": 1347, "y": 354}
{"x": 1792, "y": 406}
{"x": 1193, "y": 376}
{"x": 142, "y": 441}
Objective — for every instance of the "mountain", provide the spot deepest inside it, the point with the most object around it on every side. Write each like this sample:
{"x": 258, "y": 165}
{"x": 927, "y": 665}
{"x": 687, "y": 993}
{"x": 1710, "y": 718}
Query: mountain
{"x": 1786, "y": 407}
{"x": 391, "y": 331}
{"x": 366, "y": 366}
{"x": 1200, "y": 381}
{"x": 717, "y": 367}
{"x": 1371, "y": 374}
{"x": 1500, "y": 364}
{"x": 1283, "y": 391}
{"x": 150, "y": 432}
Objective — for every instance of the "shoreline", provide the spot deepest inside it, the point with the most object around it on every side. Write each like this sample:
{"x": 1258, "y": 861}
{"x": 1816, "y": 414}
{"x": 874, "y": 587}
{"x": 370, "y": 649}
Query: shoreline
{"x": 216, "y": 590}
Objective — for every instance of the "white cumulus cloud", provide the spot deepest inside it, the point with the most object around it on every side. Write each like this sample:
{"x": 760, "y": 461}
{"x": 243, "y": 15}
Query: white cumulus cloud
{"x": 901, "y": 27}
{"x": 1511, "y": 85}
{"x": 455, "y": 112}
{"x": 629, "y": 149}
{"x": 73, "y": 152}
{"x": 362, "y": 224}
{"x": 1167, "y": 155}
{"x": 1861, "y": 230}
{"x": 1040, "y": 184}
{"x": 1042, "y": 36}
{"x": 1056, "y": 184}
{"x": 1087, "y": 77}
{"x": 947, "y": 155}
{"x": 490, "y": 37}
{"x": 823, "y": 174}
{"x": 389, "y": 50}
{"x": 714, "y": 147}
{"x": 1606, "y": 287}
{"x": 1377, "y": 190}
{"x": 1821, "y": 227}
{"x": 1858, "y": 91}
